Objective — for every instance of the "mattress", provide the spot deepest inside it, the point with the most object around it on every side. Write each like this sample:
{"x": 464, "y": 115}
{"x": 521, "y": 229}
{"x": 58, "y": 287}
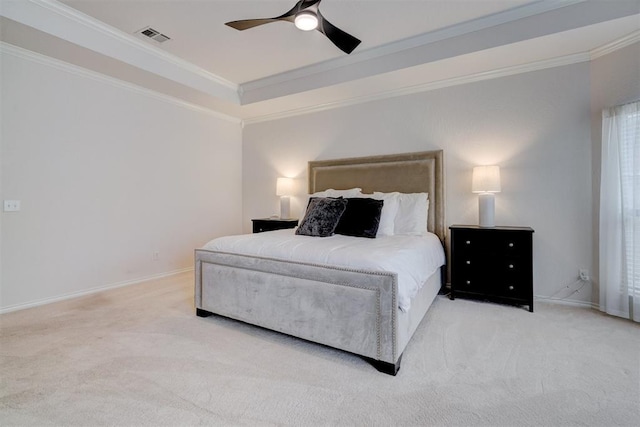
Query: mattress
{"x": 413, "y": 258}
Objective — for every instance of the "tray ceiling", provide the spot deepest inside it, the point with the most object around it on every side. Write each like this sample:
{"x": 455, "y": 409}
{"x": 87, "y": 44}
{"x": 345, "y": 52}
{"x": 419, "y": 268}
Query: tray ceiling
{"x": 276, "y": 69}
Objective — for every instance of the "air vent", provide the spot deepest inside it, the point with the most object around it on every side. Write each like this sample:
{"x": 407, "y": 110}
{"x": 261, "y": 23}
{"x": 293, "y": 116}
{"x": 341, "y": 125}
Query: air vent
{"x": 154, "y": 35}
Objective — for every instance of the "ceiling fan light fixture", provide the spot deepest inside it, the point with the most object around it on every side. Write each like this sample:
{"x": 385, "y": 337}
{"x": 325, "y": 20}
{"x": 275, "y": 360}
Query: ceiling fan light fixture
{"x": 306, "y": 21}
{"x": 306, "y": 16}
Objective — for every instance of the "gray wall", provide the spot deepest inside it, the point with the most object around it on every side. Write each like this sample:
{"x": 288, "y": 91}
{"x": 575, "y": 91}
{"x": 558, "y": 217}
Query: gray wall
{"x": 107, "y": 175}
{"x": 536, "y": 126}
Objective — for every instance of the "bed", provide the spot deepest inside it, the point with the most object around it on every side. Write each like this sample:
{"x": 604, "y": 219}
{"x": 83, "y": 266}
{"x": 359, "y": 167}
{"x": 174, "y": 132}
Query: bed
{"x": 352, "y": 309}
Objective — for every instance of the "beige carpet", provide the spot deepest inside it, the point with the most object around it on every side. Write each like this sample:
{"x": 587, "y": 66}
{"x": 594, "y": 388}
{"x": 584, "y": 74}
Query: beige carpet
{"x": 140, "y": 356}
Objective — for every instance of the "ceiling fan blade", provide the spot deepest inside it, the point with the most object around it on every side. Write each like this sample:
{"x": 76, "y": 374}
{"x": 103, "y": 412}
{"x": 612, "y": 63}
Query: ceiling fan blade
{"x": 245, "y": 24}
{"x": 344, "y": 41}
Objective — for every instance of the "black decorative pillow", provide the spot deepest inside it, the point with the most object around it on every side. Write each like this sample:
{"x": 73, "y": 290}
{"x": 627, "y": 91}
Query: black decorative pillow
{"x": 361, "y": 218}
{"x": 322, "y": 216}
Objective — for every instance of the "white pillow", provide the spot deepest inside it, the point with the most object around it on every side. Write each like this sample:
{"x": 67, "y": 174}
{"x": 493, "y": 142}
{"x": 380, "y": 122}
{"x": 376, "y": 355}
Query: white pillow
{"x": 352, "y": 192}
{"x": 413, "y": 210}
{"x": 389, "y": 211}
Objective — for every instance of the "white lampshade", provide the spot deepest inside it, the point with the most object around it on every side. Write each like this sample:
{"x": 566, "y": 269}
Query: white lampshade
{"x": 284, "y": 187}
{"x": 306, "y": 21}
{"x": 486, "y": 179}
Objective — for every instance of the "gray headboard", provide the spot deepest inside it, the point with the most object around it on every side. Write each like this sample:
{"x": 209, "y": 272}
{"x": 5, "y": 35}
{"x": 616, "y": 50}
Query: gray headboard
{"x": 407, "y": 173}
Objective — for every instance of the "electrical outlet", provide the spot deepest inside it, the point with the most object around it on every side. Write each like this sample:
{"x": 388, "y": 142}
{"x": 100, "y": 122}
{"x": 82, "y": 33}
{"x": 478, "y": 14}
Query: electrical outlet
{"x": 11, "y": 205}
{"x": 584, "y": 274}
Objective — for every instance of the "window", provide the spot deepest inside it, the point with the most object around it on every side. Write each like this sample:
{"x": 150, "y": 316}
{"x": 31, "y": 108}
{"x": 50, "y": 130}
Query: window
{"x": 630, "y": 183}
{"x": 620, "y": 212}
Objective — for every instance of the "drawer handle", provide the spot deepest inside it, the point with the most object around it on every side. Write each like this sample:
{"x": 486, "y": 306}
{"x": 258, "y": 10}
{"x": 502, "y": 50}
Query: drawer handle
{"x": 510, "y": 265}
{"x": 468, "y": 282}
{"x": 510, "y": 288}
{"x": 468, "y": 242}
{"x": 510, "y": 245}
{"x": 468, "y": 262}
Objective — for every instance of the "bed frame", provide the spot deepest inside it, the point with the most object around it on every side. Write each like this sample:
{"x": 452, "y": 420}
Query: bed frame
{"x": 352, "y": 310}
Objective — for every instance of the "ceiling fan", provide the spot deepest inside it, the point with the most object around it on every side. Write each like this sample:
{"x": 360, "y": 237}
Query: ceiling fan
{"x": 306, "y": 16}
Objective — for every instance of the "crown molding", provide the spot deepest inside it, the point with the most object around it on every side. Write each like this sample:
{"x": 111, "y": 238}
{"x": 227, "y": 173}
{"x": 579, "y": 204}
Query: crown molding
{"x": 100, "y": 26}
{"x": 69, "y": 24}
{"x": 410, "y": 43}
{"x": 9, "y": 49}
{"x": 62, "y": 21}
{"x": 515, "y": 25}
{"x": 410, "y": 90}
{"x": 6, "y": 48}
{"x": 616, "y": 45}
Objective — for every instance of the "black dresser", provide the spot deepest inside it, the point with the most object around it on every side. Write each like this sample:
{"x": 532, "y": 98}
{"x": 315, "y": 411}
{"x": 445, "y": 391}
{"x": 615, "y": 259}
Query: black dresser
{"x": 270, "y": 224}
{"x": 494, "y": 264}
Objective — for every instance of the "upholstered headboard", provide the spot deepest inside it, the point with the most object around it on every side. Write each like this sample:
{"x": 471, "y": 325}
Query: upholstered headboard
{"x": 407, "y": 173}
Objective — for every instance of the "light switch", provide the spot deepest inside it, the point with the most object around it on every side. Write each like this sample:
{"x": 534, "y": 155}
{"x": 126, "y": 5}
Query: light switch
{"x": 11, "y": 205}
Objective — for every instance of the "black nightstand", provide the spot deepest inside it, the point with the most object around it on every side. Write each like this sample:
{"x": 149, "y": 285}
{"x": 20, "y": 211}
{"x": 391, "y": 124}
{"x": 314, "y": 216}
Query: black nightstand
{"x": 492, "y": 263}
{"x": 270, "y": 224}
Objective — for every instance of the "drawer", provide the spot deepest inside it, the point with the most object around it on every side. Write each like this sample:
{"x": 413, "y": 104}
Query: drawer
{"x": 466, "y": 243}
{"x": 470, "y": 283}
{"x": 511, "y": 289}
{"x": 513, "y": 266}
{"x": 467, "y": 263}
{"x": 513, "y": 245}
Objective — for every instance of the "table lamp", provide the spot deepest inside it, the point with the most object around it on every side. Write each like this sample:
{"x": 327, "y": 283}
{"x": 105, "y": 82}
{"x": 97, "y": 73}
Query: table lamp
{"x": 284, "y": 189}
{"x": 486, "y": 182}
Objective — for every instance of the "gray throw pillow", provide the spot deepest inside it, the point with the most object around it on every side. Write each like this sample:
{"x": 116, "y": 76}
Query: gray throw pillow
{"x": 322, "y": 217}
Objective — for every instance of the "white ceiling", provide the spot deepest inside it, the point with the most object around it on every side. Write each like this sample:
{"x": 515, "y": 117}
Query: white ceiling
{"x": 199, "y": 36}
{"x": 275, "y": 69}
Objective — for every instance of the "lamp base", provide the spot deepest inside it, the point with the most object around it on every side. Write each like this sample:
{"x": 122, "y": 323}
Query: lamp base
{"x": 487, "y": 210}
{"x": 285, "y": 207}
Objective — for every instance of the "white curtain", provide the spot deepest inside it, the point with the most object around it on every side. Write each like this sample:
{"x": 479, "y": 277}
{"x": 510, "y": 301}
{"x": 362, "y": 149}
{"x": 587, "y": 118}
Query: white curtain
{"x": 620, "y": 212}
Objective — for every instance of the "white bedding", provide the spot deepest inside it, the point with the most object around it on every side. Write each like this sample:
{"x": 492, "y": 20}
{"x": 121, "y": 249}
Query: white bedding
{"x": 413, "y": 258}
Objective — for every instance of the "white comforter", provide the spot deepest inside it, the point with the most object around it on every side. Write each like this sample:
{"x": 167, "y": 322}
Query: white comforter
{"x": 413, "y": 258}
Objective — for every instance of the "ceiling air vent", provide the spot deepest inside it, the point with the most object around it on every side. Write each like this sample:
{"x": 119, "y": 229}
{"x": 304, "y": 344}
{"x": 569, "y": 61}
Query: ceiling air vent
{"x": 154, "y": 35}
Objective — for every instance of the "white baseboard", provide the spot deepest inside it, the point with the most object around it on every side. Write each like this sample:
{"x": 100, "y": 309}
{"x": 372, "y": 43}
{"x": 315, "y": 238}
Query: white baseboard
{"x": 575, "y": 303}
{"x": 90, "y": 291}
{"x": 571, "y": 302}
